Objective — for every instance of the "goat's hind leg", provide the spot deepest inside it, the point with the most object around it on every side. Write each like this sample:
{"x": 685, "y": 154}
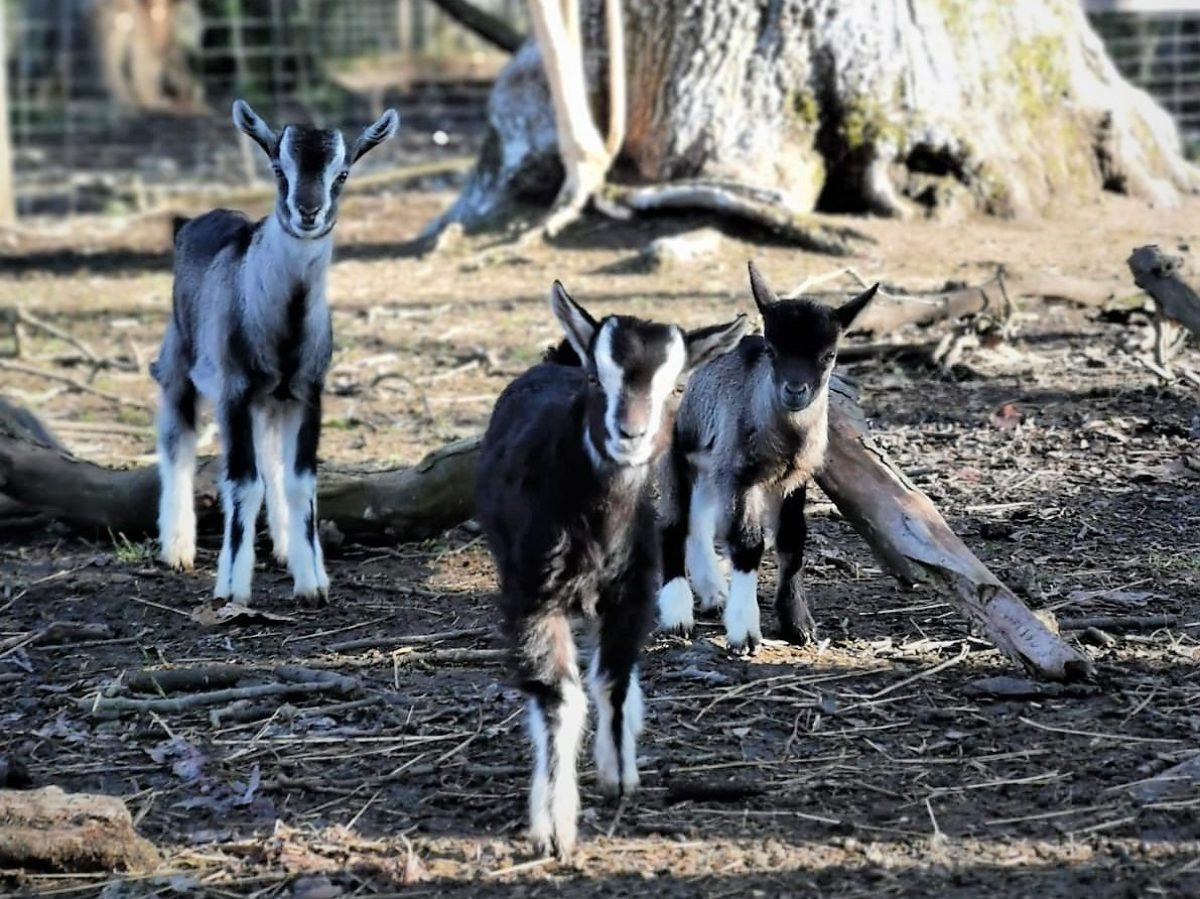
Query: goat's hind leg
{"x": 241, "y": 499}
{"x": 268, "y": 447}
{"x": 617, "y": 692}
{"x": 791, "y": 532}
{"x": 176, "y": 426}
{"x": 675, "y": 598}
{"x": 301, "y": 434}
{"x": 557, "y": 713}
{"x": 703, "y": 565}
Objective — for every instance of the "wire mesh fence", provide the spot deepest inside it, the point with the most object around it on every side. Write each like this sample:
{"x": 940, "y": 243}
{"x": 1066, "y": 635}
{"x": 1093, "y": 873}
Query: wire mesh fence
{"x": 121, "y": 97}
{"x": 113, "y": 102}
{"x": 1160, "y": 52}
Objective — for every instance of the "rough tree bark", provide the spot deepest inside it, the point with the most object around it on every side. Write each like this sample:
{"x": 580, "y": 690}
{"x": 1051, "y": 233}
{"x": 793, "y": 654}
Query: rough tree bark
{"x": 50, "y": 829}
{"x": 899, "y": 522}
{"x": 886, "y": 106}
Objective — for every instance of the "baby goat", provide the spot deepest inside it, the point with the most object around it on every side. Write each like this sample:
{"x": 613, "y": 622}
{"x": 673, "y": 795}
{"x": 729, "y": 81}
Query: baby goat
{"x": 751, "y": 431}
{"x": 250, "y": 332}
{"x": 563, "y": 495}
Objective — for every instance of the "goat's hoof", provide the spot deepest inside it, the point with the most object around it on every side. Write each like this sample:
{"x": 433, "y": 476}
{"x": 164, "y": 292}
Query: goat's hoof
{"x": 746, "y": 647}
{"x": 799, "y": 636}
{"x": 314, "y": 598}
{"x": 178, "y": 559}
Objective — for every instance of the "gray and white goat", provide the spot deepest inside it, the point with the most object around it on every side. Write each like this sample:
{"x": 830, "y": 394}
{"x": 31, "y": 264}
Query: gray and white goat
{"x": 564, "y": 496}
{"x": 250, "y": 332}
{"x": 751, "y": 430}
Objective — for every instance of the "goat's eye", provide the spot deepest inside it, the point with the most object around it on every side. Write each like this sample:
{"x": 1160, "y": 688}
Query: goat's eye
{"x": 278, "y": 172}
{"x": 592, "y": 379}
{"x": 770, "y": 351}
{"x": 341, "y": 179}
{"x": 827, "y": 359}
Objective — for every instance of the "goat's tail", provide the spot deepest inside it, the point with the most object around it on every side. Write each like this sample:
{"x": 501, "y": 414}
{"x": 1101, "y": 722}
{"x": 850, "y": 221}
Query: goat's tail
{"x": 563, "y": 354}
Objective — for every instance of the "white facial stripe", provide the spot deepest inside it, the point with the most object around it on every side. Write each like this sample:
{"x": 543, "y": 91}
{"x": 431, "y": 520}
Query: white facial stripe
{"x": 610, "y": 375}
{"x": 612, "y": 379}
{"x": 291, "y": 171}
{"x": 663, "y": 382}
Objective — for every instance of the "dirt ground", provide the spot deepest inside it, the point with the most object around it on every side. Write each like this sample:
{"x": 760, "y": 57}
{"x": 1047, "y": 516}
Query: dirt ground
{"x": 867, "y": 764}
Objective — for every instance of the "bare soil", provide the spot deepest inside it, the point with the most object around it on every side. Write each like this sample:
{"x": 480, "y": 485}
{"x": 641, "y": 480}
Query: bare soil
{"x": 867, "y": 764}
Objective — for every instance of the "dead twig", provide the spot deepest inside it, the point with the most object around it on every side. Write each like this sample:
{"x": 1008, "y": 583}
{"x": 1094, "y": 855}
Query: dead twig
{"x": 73, "y": 383}
{"x": 1118, "y": 623}
{"x": 400, "y": 644}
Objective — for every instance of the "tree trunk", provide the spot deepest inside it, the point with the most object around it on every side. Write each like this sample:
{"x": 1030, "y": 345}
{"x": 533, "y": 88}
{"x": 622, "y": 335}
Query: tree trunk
{"x": 885, "y": 106}
{"x": 48, "y": 829}
{"x": 898, "y": 521}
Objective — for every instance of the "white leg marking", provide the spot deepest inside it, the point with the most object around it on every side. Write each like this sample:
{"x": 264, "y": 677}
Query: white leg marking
{"x": 240, "y": 567}
{"x": 176, "y": 512}
{"x": 675, "y": 607}
{"x": 268, "y": 448}
{"x": 742, "y": 628}
{"x": 541, "y": 829}
{"x": 703, "y": 565}
{"x": 564, "y": 786}
{"x": 306, "y": 560}
{"x": 616, "y": 772}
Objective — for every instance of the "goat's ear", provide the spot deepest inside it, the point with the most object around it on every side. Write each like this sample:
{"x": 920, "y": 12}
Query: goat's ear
{"x": 704, "y": 344}
{"x": 763, "y": 295}
{"x": 576, "y": 323}
{"x": 250, "y": 122}
{"x": 847, "y": 313}
{"x": 374, "y": 134}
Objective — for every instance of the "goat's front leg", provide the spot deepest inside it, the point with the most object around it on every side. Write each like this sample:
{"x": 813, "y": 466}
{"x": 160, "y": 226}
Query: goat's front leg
{"x": 241, "y": 499}
{"x": 301, "y": 434}
{"x": 557, "y": 713}
{"x": 268, "y": 446}
{"x": 742, "y": 625}
{"x": 703, "y": 565}
{"x": 616, "y": 689}
{"x": 791, "y": 532}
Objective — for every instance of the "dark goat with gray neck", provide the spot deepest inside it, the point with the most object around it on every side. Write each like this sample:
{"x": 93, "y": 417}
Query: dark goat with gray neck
{"x": 250, "y": 332}
{"x": 563, "y": 495}
{"x": 751, "y": 430}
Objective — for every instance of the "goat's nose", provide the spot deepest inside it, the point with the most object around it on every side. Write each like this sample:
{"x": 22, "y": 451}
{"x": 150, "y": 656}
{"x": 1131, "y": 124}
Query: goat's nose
{"x": 797, "y": 390}
{"x": 631, "y": 431}
{"x": 308, "y": 213}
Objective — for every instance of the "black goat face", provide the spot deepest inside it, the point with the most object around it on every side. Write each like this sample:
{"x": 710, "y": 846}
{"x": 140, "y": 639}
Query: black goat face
{"x": 311, "y": 166}
{"x": 802, "y": 338}
{"x": 632, "y": 369}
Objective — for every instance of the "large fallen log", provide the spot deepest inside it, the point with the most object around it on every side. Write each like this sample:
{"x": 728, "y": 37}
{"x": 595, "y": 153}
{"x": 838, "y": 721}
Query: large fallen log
{"x": 48, "y": 829}
{"x": 399, "y": 504}
{"x": 898, "y": 521}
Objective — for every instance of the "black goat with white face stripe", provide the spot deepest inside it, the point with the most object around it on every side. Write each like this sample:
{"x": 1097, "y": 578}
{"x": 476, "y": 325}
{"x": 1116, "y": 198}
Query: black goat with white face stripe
{"x": 563, "y": 496}
{"x": 250, "y": 332}
{"x": 751, "y": 430}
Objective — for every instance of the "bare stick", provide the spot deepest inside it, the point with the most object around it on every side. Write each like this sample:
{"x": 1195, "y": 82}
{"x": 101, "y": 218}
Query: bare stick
{"x": 73, "y": 383}
{"x": 402, "y": 643}
{"x": 26, "y": 318}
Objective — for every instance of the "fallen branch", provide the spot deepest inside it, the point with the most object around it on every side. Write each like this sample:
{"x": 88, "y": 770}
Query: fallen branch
{"x": 1158, "y": 274}
{"x": 764, "y": 211}
{"x": 1117, "y": 623}
{"x": 49, "y": 829}
{"x": 185, "y": 680}
{"x": 301, "y": 682}
{"x": 57, "y": 632}
{"x": 913, "y": 541}
{"x": 1178, "y": 779}
{"x": 73, "y": 383}
{"x": 402, "y": 643}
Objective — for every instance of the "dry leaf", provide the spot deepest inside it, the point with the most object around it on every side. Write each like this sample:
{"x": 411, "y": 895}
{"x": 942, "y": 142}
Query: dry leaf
{"x": 220, "y": 611}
